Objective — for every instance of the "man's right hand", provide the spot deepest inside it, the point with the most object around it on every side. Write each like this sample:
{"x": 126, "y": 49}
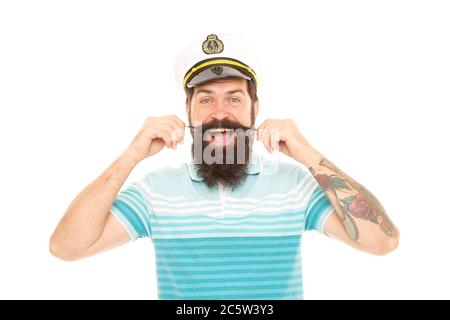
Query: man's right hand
{"x": 88, "y": 227}
{"x": 156, "y": 133}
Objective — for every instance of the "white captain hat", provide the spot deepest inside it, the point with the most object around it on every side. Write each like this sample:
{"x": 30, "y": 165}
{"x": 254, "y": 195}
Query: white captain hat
{"x": 215, "y": 56}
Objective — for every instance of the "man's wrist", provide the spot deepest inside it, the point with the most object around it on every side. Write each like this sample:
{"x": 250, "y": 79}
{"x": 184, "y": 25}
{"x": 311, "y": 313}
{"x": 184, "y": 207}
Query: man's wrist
{"x": 309, "y": 157}
{"x": 131, "y": 157}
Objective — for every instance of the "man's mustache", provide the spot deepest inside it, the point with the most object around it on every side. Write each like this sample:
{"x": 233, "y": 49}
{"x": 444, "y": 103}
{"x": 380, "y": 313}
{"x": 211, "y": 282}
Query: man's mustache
{"x": 220, "y": 124}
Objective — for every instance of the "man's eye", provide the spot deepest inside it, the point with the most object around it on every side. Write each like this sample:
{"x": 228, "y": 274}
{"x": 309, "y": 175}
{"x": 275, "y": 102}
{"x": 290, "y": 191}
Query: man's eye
{"x": 235, "y": 100}
{"x": 205, "y": 100}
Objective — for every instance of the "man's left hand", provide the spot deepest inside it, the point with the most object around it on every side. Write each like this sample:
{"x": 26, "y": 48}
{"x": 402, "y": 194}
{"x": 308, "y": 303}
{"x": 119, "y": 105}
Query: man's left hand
{"x": 283, "y": 135}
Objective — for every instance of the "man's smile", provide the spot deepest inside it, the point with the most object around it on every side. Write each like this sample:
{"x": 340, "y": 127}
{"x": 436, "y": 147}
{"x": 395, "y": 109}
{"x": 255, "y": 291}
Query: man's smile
{"x": 220, "y": 136}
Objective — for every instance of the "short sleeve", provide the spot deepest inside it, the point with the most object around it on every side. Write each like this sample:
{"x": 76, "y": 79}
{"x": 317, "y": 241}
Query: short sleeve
{"x": 132, "y": 210}
{"x": 318, "y": 210}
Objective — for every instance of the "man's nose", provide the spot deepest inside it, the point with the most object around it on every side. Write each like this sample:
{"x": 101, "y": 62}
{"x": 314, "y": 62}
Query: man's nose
{"x": 220, "y": 112}
{"x": 220, "y": 115}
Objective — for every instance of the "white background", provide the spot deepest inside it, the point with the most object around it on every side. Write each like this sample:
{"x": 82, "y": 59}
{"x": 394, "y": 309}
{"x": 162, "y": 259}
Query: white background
{"x": 367, "y": 82}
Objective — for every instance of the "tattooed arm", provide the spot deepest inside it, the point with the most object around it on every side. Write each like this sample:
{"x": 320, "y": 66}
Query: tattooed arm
{"x": 358, "y": 219}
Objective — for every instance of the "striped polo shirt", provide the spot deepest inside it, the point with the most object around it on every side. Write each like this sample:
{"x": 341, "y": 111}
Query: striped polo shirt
{"x": 223, "y": 243}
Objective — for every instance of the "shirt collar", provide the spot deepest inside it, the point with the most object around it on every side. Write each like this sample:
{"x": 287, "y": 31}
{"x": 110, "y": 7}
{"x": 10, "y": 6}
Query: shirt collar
{"x": 255, "y": 167}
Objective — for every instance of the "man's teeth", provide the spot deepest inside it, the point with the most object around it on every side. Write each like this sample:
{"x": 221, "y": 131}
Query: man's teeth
{"x": 221, "y": 130}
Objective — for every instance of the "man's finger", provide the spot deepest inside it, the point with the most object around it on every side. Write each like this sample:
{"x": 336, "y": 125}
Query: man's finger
{"x": 165, "y": 135}
{"x": 265, "y": 139}
{"x": 177, "y": 120}
{"x": 275, "y": 136}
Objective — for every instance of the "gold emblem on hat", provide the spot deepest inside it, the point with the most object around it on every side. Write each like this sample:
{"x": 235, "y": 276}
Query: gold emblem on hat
{"x": 212, "y": 44}
{"x": 217, "y": 70}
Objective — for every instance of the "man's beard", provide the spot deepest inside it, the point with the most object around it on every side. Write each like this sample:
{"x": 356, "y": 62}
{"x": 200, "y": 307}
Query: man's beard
{"x": 229, "y": 166}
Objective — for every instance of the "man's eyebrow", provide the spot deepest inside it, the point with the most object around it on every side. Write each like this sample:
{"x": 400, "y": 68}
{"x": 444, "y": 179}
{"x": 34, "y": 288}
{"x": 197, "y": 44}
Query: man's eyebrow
{"x": 235, "y": 91}
{"x": 228, "y": 92}
{"x": 203, "y": 90}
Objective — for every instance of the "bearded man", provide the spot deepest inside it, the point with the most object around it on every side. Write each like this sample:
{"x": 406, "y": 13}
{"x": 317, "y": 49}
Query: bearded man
{"x": 229, "y": 224}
